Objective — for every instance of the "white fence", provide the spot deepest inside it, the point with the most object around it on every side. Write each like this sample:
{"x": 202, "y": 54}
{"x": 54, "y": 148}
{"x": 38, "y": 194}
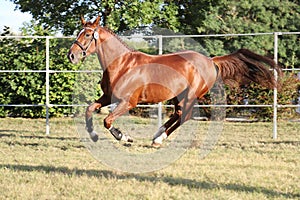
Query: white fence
{"x": 160, "y": 38}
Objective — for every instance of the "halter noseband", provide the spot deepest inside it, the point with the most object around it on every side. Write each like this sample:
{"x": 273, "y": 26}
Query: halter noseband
{"x": 95, "y": 37}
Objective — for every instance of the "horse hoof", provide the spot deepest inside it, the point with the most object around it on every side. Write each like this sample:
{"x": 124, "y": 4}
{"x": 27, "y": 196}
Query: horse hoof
{"x": 126, "y": 138}
{"x": 156, "y": 145}
{"x": 95, "y": 138}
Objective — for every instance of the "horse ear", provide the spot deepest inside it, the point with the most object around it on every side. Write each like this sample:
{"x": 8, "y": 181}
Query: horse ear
{"x": 83, "y": 22}
{"x": 96, "y": 22}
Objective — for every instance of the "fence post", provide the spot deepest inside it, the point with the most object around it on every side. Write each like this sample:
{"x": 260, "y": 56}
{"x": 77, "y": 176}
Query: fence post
{"x": 160, "y": 51}
{"x": 47, "y": 86}
{"x": 275, "y": 106}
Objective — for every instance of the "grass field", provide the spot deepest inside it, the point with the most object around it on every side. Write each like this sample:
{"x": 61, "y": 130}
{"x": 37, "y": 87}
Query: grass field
{"x": 246, "y": 163}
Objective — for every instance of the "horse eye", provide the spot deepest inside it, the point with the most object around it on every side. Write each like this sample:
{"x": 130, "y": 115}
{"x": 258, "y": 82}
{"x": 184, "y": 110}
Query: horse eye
{"x": 87, "y": 35}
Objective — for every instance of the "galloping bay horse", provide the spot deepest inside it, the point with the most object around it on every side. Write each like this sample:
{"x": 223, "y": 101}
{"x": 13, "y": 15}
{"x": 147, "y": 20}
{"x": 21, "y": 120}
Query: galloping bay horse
{"x": 131, "y": 77}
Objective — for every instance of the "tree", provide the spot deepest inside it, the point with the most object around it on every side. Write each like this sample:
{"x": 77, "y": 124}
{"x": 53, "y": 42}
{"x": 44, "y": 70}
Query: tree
{"x": 227, "y": 17}
{"x": 186, "y": 16}
{"x": 211, "y": 17}
{"x": 118, "y": 15}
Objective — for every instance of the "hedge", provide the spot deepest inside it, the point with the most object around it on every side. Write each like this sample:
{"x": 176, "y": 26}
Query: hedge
{"x": 29, "y": 88}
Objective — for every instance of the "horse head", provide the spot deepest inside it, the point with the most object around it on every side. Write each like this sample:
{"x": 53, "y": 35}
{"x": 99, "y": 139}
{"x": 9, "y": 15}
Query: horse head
{"x": 86, "y": 41}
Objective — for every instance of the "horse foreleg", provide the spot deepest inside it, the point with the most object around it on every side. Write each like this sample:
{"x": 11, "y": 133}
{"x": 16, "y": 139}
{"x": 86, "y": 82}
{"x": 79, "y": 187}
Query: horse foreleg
{"x": 103, "y": 101}
{"x": 118, "y": 111}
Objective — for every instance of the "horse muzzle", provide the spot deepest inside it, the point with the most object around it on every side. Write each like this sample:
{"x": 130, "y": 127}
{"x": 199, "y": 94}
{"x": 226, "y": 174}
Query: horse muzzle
{"x": 75, "y": 58}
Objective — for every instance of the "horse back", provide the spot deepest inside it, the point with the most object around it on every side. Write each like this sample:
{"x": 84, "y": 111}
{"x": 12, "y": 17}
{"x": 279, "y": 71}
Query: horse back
{"x": 155, "y": 78}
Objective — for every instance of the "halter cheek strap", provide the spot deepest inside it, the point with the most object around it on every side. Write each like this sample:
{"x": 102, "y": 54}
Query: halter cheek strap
{"x": 95, "y": 37}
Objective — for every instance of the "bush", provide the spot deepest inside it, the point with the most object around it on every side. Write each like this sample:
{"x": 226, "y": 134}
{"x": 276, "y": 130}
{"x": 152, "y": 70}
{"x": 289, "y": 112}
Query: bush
{"x": 30, "y": 88}
{"x": 254, "y": 94}
{"x": 22, "y": 88}
{"x": 66, "y": 88}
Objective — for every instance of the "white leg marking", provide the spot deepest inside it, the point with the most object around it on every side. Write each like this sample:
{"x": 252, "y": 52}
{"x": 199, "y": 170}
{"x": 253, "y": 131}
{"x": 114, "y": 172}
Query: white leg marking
{"x": 126, "y": 138}
{"x": 110, "y": 128}
{"x": 160, "y": 138}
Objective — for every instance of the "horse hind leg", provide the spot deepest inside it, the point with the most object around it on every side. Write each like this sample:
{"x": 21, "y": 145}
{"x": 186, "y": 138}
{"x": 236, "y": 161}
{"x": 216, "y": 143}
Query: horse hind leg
{"x": 162, "y": 132}
{"x": 182, "y": 113}
{"x": 157, "y": 142}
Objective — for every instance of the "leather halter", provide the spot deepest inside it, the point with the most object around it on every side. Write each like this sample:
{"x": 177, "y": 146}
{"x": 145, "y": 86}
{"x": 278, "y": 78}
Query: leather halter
{"x": 95, "y": 37}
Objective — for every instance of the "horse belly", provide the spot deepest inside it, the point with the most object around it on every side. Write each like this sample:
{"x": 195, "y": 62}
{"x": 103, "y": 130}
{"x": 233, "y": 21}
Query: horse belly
{"x": 154, "y": 93}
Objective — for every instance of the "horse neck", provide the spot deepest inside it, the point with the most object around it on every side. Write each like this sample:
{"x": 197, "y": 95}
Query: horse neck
{"x": 110, "y": 49}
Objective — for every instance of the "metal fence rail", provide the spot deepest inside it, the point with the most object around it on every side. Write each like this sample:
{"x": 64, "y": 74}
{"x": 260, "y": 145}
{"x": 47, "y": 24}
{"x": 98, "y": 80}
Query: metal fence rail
{"x": 160, "y": 38}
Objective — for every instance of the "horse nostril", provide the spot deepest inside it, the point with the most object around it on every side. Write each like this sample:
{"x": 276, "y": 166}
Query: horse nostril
{"x": 71, "y": 56}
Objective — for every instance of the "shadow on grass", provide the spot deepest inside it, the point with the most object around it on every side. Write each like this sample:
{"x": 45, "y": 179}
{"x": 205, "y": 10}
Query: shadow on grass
{"x": 172, "y": 181}
{"x": 286, "y": 142}
{"x": 38, "y": 135}
{"x": 10, "y": 133}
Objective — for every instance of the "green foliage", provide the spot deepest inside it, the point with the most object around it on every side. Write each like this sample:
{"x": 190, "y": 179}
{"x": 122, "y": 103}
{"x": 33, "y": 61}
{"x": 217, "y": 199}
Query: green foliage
{"x": 188, "y": 17}
{"x": 86, "y": 88}
{"x": 254, "y": 94}
{"x": 61, "y": 84}
{"x": 185, "y": 16}
{"x": 288, "y": 94}
{"x": 117, "y": 15}
{"x": 232, "y": 17}
{"x": 28, "y": 87}
{"x": 25, "y": 88}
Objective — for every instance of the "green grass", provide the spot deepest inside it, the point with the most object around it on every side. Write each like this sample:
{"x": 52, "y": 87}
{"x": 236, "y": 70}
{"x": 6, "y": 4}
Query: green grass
{"x": 246, "y": 163}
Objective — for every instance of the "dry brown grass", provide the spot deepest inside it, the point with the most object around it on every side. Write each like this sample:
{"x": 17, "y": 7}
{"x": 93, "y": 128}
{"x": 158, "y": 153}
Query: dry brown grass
{"x": 245, "y": 164}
